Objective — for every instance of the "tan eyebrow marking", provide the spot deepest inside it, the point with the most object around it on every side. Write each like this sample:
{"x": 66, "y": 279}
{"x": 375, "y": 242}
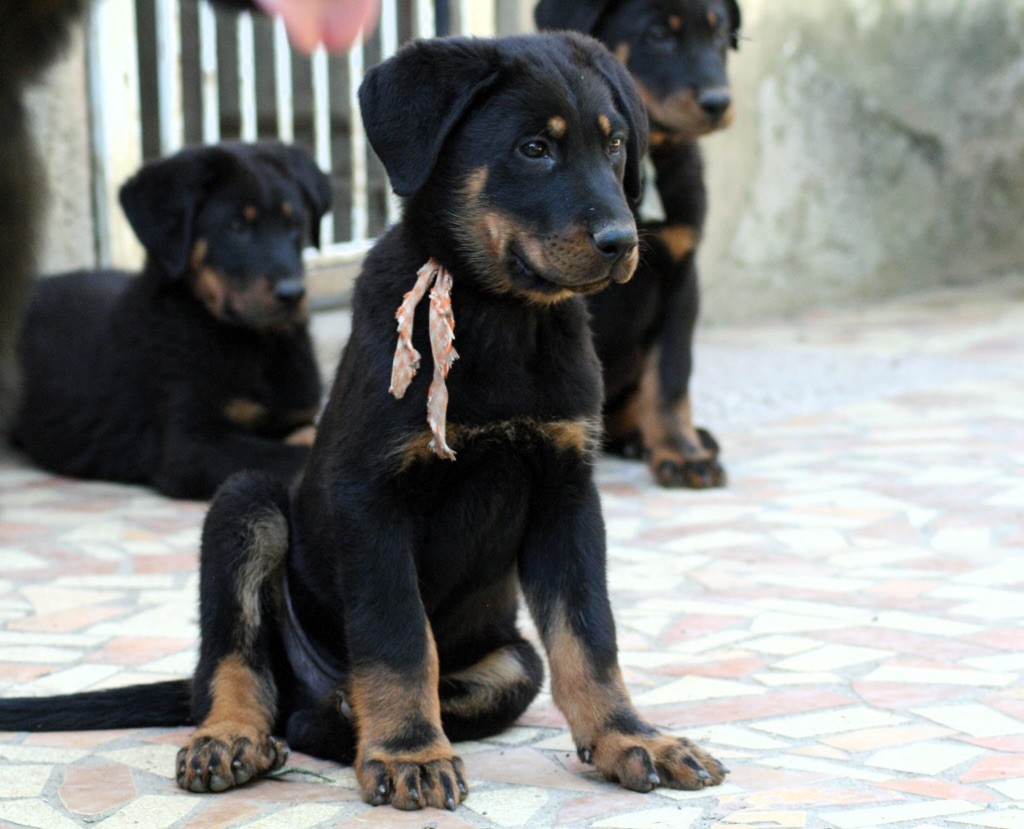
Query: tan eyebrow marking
{"x": 287, "y": 208}
{"x": 605, "y": 123}
{"x": 557, "y": 126}
{"x": 675, "y": 22}
{"x": 713, "y": 20}
{"x": 250, "y": 212}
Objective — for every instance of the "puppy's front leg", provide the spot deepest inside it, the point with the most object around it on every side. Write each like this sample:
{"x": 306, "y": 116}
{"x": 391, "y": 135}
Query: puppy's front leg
{"x": 403, "y": 756}
{"x": 562, "y": 570}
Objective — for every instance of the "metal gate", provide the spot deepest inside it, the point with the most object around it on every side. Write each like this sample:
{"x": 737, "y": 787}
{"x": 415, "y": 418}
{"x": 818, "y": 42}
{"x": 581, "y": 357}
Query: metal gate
{"x": 164, "y": 73}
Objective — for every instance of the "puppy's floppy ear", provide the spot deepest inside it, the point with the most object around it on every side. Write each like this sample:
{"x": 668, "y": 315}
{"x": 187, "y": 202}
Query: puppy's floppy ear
{"x": 577, "y": 15}
{"x": 732, "y": 7}
{"x": 631, "y": 107}
{"x": 161, "y": 201}
{"x": 412, "y": 101}
{"x": 299, "y": 166}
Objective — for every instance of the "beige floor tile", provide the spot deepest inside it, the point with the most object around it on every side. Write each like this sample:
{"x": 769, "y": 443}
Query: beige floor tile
{"x": 23, "y": 780}
{"x": 924, "y": 757}
{"x": 902, "y": 813}
{"x": 833, "y": 721}
{"x": 665, "y": 818}
{"x": 509, "y": 807}
{"x": 35, "y": 814}
{"x": 974, "y": 719}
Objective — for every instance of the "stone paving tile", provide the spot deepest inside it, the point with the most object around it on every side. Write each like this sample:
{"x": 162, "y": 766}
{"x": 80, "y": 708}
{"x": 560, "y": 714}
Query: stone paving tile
{"x": 842, "y": 624}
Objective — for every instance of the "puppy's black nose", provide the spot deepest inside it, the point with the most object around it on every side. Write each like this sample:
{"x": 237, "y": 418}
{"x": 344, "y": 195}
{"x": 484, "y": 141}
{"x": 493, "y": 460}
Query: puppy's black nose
{"x": 615, "y": 241}
{"x": 714, "y": 102}
{"x": 290, "y": 291}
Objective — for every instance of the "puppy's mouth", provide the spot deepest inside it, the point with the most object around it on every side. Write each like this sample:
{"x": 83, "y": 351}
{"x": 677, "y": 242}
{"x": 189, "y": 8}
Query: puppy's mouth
{"x": 262, "y": 318}
{"x": 528, "y": 278}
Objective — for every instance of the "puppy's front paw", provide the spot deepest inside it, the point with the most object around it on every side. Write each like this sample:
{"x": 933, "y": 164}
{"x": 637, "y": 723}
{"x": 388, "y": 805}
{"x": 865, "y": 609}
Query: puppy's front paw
{"x": 680, "y": 472}
{"x": 228, "y": 755}
{"x": 642, "y": 762}
{"x": 413, "y": 781}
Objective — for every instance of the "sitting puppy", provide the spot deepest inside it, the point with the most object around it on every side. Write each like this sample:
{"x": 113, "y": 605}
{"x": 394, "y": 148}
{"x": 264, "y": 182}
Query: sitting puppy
{"x": 371, "y": 616}
{"x": 676, "y": 52}
{"x": 202, "y": 366}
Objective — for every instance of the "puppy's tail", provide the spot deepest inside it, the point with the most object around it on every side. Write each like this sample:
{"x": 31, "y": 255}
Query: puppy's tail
{"x": 165, "y": 704}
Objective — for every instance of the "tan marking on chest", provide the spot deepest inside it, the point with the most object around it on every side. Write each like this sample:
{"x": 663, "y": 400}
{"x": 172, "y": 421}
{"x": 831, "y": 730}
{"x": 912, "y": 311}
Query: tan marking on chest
{"x": 581, "y": 437}
{"x": 245, "y": 413}
{"x": 198, "y": 255}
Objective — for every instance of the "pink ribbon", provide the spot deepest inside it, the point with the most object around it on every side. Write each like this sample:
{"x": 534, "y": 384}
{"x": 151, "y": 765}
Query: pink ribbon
{"x": 442, "y": 348}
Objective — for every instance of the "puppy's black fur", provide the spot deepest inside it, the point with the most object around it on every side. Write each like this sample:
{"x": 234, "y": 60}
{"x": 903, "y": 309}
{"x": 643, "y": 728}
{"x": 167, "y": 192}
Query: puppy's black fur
{"x": 676, "y": 52}
{"x": 371, "y": 617}
{"x": 201, "y": 366}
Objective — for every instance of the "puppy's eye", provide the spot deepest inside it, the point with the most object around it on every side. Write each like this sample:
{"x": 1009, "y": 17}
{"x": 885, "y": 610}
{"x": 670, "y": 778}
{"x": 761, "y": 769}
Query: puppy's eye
{"x": 615, "y": 145}
{"x": 535, "y": 149}
{"x": 239, "y": 225}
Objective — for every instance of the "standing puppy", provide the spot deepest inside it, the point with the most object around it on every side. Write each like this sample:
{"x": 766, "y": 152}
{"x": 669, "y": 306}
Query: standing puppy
{"x": 676, "y": 52}
{"x": 201, "y": 366}
{"x": 371, "y": 616}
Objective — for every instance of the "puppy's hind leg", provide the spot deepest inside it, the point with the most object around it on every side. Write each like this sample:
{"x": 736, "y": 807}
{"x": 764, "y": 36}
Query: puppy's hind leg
{"x": 244, "y": 547}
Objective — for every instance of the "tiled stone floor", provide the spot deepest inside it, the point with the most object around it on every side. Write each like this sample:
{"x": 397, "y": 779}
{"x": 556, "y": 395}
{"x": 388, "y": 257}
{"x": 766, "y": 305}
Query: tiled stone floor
{"x": 844, "y": 624}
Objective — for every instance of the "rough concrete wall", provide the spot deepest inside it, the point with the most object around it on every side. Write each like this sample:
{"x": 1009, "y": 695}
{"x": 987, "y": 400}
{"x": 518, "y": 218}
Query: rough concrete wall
{"x": 879, "y": 147}
{"x": 60, "y": 125}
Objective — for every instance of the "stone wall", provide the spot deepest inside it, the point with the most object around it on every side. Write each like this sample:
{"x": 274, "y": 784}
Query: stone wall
{"x": 878, "y": 148}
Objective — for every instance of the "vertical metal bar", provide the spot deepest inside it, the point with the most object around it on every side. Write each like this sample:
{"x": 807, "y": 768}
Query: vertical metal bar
{"x": 425, "y": 25}
{"x": 357, "y": 146}
{"x": 477, "y": 18}
{"x": 209, "y": 73}
{"x": 322, "y": 130}
{"x": 283, "y": 83}
{"x": 388, "y": 46}
{"x": 116, "y": 126}
{"x": 168, "y": 58}
{"x": 247, "y": 77}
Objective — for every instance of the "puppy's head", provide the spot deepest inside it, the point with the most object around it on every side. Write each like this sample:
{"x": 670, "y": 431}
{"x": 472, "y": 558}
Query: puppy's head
{"x": 675, "y": 49}
{"x": 523, "y": 152}
{"x": 233, "y": 220}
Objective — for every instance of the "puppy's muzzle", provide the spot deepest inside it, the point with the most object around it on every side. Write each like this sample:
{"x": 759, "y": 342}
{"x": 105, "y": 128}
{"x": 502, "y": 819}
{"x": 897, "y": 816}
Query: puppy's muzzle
{"x": 289, "y": 292}
{"x": 616, "y": 243}
{"x": 715, "y": 102}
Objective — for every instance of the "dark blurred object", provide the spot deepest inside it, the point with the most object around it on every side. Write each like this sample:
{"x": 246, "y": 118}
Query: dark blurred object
{"x": 32, "y": 33}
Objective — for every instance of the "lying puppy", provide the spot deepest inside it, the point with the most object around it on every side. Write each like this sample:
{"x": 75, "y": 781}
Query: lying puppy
{"x": 202, "y": 366}
{"x": 371, "y": 616}
{"x": 676, "y": 53}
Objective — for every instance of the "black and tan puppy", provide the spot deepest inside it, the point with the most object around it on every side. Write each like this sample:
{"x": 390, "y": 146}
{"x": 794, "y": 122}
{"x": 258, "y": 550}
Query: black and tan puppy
{"x": 371, "y": 616}
{"x": 202, "y": 365}
{"x": 676, "y": 52}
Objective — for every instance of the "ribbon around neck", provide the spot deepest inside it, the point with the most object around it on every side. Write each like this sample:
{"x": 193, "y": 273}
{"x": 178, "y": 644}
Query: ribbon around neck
{"x": 442, "y": 348}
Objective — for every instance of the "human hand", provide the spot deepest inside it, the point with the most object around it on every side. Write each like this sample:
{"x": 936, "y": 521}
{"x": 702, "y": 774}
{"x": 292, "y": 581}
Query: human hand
{"x": 335, "y": 23}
